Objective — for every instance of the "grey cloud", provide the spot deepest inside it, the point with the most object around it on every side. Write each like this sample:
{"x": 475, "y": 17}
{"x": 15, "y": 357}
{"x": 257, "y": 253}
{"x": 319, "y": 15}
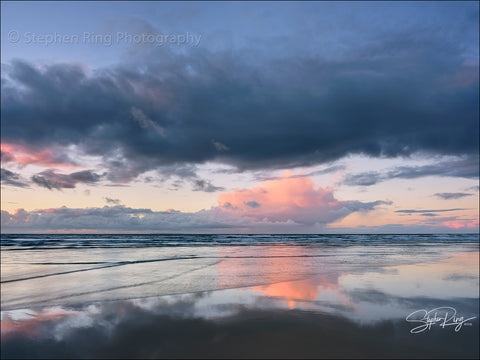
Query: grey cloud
{"x": 473, "y": 188}
{"x": 13, "y": 179}
{"x": 182, "y": 171}
{"x": 396, "y": 96}
{"x": 145, "y": 122}
{"x": 460, "y": 277}
{"x": 6, "y": 156}
{"x": 364, "y": 179}
{"x": 426, "y": 211}
{"x": 50, "y": 179}
{"x": 360, "y": 206}
{"x": 219, "y": 146}
{"x": 185, "y": 173}
{"x": 463, "y": 167}
{"x": 310, "y": 174}
{"x": 125, "y": 171}
{"x": 206, "y": 186}
{"x": 252, "y": 204}
{"x": 112, "y": 201}
{"x": 115, "y": 218}
{"x": 448, "y": 196}
{"x": 435, "y": 226}
{"x": 325, "y": 171}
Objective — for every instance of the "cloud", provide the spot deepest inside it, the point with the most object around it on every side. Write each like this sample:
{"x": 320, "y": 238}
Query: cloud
{"x": 327, "y": 170}
{"x": 173, "y": 328}
{"x": 252, "y": 204}
{"x": 426, "y": 211}
{"x": 26, "y": 155}
{"x": 463, "y": 224}
{"x": 394, "y": 96}
{"x": 219, "y": 146}
{"x": 291, "y": 199}
{"x": 6, "y": 156}
{"x": 13, "y": 179}
{"x": 205, "y": 185}
{"x": 145, "y": 122}
{"x": 112, "y": 201}
{"x": 437, "y": 225}
{"x": 123, "y": 171}
{"x": 50, "y": 179}
{"x": 448, "y": 196}
{"x": 283, "y": 205}
{"x": 117, "y": 218}
{"x": 463, "y": 167}
{"x": 363, "y": 179}
{"x": 473, "y": 188}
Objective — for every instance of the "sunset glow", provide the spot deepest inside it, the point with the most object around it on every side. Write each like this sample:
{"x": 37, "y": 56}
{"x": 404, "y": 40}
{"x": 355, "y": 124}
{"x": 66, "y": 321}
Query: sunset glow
{"x": 310, "y": 134}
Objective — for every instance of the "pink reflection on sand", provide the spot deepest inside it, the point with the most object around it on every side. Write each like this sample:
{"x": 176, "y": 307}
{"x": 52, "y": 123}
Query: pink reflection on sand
{"x": 30, "y": 323}
{"x": 284, "y": 274}
{"x": 304, "y": 292}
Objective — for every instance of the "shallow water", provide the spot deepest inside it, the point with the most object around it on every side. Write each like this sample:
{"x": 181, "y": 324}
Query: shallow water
{"x": 234, "y": 296}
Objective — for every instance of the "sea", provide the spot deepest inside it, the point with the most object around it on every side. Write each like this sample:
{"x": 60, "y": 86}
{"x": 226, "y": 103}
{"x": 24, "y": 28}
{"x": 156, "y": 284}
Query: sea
{"x": 239, "y": 296}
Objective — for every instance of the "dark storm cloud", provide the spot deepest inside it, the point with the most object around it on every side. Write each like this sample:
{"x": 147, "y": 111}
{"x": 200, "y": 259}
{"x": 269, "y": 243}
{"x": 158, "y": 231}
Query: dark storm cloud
{"x": 448, "y": 196}
{"x": 467, "y": 168}
{"x": 13, "y": 179}
{"x": 53, "y": 180}
{"x": 397, "y": 95}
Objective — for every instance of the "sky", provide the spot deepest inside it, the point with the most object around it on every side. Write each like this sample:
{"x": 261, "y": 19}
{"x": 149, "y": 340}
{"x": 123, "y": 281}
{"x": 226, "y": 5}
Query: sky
{"x": 240, "y": 117}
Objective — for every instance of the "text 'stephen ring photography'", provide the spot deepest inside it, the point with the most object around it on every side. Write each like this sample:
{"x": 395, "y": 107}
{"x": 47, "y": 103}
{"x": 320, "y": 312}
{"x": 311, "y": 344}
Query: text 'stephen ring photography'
{"x": 239, "y": 179}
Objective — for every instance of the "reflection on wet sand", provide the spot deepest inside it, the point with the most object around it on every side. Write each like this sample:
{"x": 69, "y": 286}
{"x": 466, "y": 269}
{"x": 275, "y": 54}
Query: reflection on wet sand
{"x": 292, "y": 279}
{"x": 129, "y": 330}
{"x": 358, "y": 314}
{"x": 305, "y": 293}
{"x": 456, "y": 276}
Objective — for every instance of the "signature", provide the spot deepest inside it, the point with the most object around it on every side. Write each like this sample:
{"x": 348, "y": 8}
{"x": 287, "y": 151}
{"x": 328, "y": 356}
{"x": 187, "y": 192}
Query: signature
{"x": 442, "y": 316}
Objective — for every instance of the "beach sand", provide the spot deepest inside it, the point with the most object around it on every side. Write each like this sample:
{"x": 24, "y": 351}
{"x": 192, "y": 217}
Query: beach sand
{"x": 278, "y": 302}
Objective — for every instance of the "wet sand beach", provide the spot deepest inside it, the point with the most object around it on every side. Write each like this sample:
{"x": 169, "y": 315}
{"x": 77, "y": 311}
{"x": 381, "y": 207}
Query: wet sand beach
{"x": 294, "y": 298}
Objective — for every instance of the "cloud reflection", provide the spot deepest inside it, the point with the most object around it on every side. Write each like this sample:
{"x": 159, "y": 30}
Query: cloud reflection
{"x": 129, "y": 329}
{"x": 321, "y": 316}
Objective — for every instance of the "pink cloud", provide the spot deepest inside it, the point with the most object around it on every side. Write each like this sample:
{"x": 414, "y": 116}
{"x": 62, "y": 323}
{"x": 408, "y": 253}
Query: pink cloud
{"x": 458, "y": 224}
{"x": 24, "y": 156}
{"x": 289, "y": 198}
